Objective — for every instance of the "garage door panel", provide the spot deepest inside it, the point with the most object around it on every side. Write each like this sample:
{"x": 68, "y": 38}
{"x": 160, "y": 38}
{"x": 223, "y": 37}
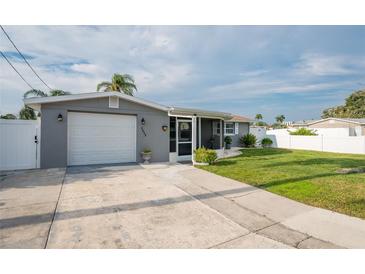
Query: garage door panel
{"x": 101, "y": 138}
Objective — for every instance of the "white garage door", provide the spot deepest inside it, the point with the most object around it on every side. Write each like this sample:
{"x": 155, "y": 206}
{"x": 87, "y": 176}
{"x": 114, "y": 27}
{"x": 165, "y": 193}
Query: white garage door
{"x": 101, "y": 138}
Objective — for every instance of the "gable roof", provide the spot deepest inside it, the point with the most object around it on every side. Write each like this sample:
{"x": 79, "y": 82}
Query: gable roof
{"x": 360, "y": 121}
{"x": 240, "y": 119}
{"x": 36, "y": 102}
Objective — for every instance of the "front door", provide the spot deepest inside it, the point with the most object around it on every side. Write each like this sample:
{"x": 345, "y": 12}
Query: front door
{"x": 184, "y": 140}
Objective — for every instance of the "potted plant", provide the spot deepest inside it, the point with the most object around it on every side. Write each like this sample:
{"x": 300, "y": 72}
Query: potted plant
{"x": 228, "y": 142}
{"x": 146, "y": 155}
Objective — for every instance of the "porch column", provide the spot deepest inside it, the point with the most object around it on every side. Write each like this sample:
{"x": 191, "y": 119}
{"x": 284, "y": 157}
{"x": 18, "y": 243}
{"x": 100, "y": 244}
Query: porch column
{"x": 200, "y": 132}
{"x": 193, "y": 133}
{"x": 222, "y": 133}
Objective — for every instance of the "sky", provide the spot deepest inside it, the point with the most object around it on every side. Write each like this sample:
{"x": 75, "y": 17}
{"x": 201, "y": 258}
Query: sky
{"x": 296, "y": 71}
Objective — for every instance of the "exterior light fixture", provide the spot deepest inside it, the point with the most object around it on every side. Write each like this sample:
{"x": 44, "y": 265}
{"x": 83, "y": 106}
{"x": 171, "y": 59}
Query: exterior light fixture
{"x": 60, "y": 117}
{"x": 164, "y": 127}
{"x": 143, "y": 121}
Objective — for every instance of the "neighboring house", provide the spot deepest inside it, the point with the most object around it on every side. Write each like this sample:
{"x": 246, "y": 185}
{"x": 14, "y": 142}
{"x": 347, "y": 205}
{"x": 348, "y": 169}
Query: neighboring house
{"x": 302, "y": 123}
{"x": 352, "y": 126}
{"x": 111, "y": 127}
{"x": 288, "y": 123}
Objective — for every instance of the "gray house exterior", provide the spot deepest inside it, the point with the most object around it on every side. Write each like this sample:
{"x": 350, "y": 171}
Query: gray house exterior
{"x": 110, "y": 127}
{"x": 240, "y": 125}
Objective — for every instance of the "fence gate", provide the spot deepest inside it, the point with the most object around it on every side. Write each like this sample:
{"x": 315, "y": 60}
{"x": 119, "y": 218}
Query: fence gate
{"x": 19, "y": 144}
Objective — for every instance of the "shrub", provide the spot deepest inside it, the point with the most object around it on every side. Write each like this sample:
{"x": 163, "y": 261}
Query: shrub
{"x": 266, "y": 142}
{"x": 228, "y": 140}
{"x": 278, "y": 126}
{"x": 304, "y": 131}
{"x": 248, "y": 140}
{"x": 203, "y": 155}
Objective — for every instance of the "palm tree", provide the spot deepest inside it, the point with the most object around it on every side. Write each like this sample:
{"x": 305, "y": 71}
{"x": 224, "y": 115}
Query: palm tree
{"x": 280, "y": 118}
{"x": 35, "y": 93}
{"x": 40, "y": 93}
{"x": 8, "y": 116}
{"x": 27, "y": 113}
{"x": 58, "y": 92}
{"x": 120, "y": 83}
{"x": 258, "y": 116}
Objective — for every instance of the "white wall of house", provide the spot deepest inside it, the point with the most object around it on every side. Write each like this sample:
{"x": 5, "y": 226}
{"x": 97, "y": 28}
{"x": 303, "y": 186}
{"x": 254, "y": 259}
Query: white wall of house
{"x": 18, "y": 149}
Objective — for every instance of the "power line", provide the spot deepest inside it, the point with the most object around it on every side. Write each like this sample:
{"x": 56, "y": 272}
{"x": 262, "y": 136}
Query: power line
{"x": 24, "y": 58}
{"x": 15, "y": 69}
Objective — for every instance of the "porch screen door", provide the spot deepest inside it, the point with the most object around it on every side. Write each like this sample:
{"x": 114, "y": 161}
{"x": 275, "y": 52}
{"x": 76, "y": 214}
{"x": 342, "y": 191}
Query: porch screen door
{"x": 184, "y": 137}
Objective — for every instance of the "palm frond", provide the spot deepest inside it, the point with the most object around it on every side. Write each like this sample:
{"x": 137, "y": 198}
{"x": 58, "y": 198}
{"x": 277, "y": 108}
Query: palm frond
{"x": 58, "y": 92}
{"x": 121, "y": 83}
{"x": 35, "y": 92}
{"x": 27, "y": 113}
{"x": 103, "y": 85}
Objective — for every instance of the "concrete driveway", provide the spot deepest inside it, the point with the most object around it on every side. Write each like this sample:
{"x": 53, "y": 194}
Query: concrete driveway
{"x": 159, "y": 206}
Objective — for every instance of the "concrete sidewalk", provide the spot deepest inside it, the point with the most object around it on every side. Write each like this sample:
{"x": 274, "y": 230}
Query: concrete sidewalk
{"x": 267, "y": 214}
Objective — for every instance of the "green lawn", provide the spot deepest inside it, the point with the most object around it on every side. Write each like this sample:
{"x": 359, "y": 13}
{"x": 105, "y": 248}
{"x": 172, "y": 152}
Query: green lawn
{"x": 306, "y": 176}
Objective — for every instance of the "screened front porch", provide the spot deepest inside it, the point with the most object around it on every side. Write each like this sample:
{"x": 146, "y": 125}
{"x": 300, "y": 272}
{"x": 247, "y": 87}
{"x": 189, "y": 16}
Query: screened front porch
{"x": 188, "y": 133}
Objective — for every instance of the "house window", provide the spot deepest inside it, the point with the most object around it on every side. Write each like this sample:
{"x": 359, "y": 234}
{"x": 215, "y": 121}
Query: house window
{"x": 229, "y": 129}
{"x": 216, "y": 128}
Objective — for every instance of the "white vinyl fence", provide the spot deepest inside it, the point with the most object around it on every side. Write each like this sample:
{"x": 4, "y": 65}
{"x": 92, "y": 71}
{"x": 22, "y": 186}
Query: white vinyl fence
{"x": 340, "y": 144}
{"x": 18, "y": 146}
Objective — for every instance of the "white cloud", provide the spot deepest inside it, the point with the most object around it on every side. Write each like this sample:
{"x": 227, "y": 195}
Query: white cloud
{"x": 320, "y": 65}
{"x": 253, "y": 73}
{"x": 87, "y": 68}
{"x": 161, "y": 78}
{"x": 181, "y": 65}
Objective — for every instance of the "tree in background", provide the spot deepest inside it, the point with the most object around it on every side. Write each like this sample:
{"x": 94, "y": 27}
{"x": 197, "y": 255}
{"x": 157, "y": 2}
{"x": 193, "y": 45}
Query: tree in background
{"x": 120, "y": 83}
{"x": 304, "y": 131}
{"x": 261, "y": 124}
{"x": 27, "y": 113}
{"x": 40, "y": 93}
{"x": 354, "y": 107}
{"x": 258, "y": 117}
{"x": 8, "y": 116}
{"x": 280, "y": 118}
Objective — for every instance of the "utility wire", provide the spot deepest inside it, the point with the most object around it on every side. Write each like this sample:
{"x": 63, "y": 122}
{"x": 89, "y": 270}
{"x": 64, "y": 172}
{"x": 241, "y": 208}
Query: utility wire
{"x": 24, "y": 58}
{"x": 15, "y": 69}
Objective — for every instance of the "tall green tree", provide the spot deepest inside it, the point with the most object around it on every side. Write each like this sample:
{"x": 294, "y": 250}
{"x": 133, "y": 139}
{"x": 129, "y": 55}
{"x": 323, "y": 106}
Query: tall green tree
{"x": 121, "y": 83}
{"x": 280, "y": 118}
{"x": 27, "y": 113}
{"x": 354, "y": 107}
{"x": 258, "y": 117}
